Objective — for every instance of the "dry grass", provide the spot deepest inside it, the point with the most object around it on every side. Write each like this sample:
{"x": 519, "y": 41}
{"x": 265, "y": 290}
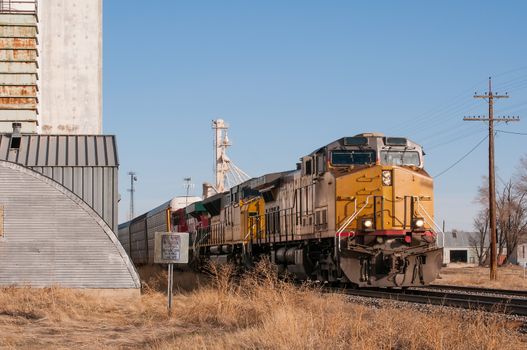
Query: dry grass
{"x": 257, "y": 312}
{"x": 509, "y": 277}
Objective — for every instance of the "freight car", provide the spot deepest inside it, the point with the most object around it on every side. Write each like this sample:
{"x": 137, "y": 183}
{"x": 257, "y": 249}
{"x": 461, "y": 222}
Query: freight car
{"x": 137, "y": 236}
{"x": 358, "y": 210}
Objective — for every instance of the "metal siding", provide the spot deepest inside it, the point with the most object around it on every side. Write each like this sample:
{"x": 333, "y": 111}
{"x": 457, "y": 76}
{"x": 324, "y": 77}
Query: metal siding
{"x": 91, "y": 173}
{"x": 62, "y": 151}
{"x": 91, "y": 154}
{"x": 72, "y": 151}
{"x": 58, "y": 175}
{"x": 108, "y": 196}
{"x": 67, "y": 178}
{"x": 4, "y": 147}
{"x": 42, "y": 151}
{"x": 47, "y": 171}
{"x": 22, "y": 152}
{"x": 87, "y": 190}
{"x": 101, "y": 151}
{"x": 51, "y": 152}
{"x": 110, "y": 145}
{"x": 81, "y": 151}
{"x": 31, "y": 159}
{"x": 97, "y": 186}
{"x": 115, "y": 189}
{"x": 59, "y": 241}
{"x": 78, "y": 182}
{"x": 11, "y": 155}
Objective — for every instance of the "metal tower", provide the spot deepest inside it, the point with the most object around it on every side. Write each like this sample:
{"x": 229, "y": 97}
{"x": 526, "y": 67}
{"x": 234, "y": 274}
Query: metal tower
{"x": 133, "y": 179}
{"x": 188, "y": 186}
{"x": 227, "y": 173}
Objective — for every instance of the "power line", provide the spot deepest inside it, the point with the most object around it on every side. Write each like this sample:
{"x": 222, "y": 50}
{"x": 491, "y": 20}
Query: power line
{"x": 512, "y": 132}
{"x": 464, "y": 156}
{"x": 458, "y": 137}
{"x": 434, "y": 116}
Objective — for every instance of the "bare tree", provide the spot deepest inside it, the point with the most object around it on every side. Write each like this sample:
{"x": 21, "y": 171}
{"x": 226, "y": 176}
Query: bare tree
{"x": 512, "y": 217}
{"x": 511, "y": 220}
{"x": 480, "y": 242}
{"x": 521, "y": 175}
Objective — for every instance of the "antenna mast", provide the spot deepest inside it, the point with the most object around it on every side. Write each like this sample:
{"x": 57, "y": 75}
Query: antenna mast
{"x": 188, "y": 186}
{"x": 133, "y": 179}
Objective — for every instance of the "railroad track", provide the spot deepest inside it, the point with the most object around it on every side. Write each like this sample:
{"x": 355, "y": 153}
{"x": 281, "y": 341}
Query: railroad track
{"x": 513, "y": 305}
{"x": 479, "y": 290}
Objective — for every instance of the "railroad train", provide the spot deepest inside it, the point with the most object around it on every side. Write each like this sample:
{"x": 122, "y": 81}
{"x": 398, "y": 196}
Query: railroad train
{"x": 358, "y": 210}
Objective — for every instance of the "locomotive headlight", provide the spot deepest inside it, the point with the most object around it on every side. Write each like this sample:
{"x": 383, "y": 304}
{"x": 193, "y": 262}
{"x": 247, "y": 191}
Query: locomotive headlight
{"x": 419, "y": 223}
{"x": 387, "y": 177}
{"x": 367, "y": 224}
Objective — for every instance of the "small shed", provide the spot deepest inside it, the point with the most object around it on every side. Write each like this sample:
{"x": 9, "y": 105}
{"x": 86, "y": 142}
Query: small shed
{"x": 459, "y": 247}
{"x": 58, "y": 213}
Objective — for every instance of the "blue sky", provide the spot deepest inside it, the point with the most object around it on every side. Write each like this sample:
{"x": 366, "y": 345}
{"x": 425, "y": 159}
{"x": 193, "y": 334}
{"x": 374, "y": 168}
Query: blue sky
{"x": 291, "y": 76}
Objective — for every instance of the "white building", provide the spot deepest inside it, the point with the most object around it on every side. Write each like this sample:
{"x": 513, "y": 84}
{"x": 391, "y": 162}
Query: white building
{"x": 458, "y": 247}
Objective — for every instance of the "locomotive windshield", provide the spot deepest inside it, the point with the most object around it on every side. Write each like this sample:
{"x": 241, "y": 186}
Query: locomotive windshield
{"x": 352, "y": 157}
{"x": 400, "y": 158}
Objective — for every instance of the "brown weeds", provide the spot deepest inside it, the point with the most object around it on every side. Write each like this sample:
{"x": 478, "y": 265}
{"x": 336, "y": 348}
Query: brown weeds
{"x": 509, "y": 277}
{"x": 257, "y": 311}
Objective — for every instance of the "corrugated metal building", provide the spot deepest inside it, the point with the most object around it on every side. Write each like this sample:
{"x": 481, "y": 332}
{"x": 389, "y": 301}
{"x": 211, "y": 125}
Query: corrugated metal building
{"x": 86, "y": 165}
{"x": 58, "y": 209}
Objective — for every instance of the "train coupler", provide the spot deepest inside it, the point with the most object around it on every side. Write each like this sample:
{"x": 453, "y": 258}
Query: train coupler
{"x": 370, "y": 268}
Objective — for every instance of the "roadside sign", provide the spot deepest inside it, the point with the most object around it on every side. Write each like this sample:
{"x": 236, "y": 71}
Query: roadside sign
{"x": 171, "y": 247}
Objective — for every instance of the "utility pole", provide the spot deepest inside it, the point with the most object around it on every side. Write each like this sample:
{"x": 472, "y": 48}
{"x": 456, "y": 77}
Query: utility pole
{"x": 133, "y": 179}
{"x": 489, "y": 97}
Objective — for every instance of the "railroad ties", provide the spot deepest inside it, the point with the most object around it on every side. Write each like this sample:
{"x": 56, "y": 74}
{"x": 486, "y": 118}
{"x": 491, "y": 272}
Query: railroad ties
{"x": 492, "y": 300}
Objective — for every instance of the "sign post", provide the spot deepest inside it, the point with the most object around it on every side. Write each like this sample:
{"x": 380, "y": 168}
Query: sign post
{"x": 171, "y": 248}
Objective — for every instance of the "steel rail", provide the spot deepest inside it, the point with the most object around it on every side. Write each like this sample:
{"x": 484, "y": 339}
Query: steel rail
{"x": 495, "y": 304}
{"x": 519, "y": 293}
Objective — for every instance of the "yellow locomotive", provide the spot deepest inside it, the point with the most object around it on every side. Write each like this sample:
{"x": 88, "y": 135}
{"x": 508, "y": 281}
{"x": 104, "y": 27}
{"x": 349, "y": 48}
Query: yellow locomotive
{"x": 358, "y": 210}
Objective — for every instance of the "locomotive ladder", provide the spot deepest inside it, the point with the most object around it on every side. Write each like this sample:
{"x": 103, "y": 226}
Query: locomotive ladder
{"x": 349, "y": 220}
{"x": 430, "y": 220}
